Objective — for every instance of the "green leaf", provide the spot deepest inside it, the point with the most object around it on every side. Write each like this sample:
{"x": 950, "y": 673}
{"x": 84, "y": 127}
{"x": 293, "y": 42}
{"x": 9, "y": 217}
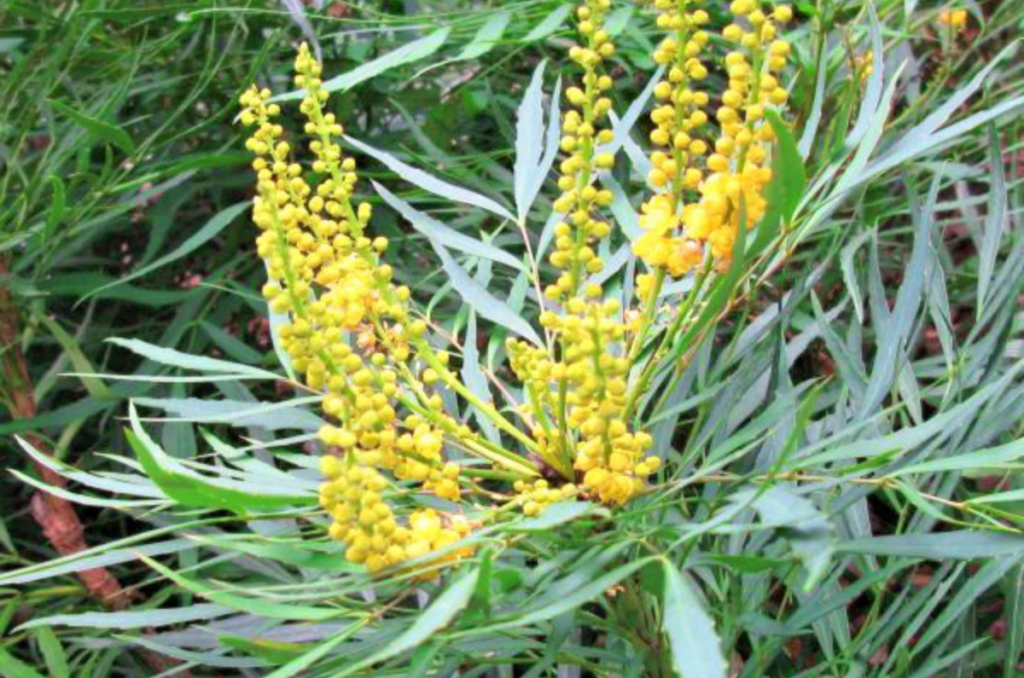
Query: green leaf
{"x": 431, "y": 620}
{"x": 486, "y": 38}
{"x": 210, "y": 230}
{"x": 190, "y": 488}
{"x": 173, "y": 358}
{"x": 93, "y": 384}
{"x": 551, "y": 23}
{"x": 316, "y": 653}
{"x": 536, "y": 147}
{"x": 274, "y": 416}
{"x": 557, "y": 514}
{"x": 408, "y": 53}
{"x": 789, "y": 178}
{"x": 475, "y": 380}
{"x": 57, "y": 207}
{"x": 995, "y": 221}
{"x": 133, "y": 619}
{"x": 11, "y": 667}
{"x": 429, "y": 183}
{"x": 485, "y": 303}
{"x": 112, "y": 134}
{"x": 992, "y": 459}
{"x": 53, "y": 652}
{"x": 435, "y": 231}
{"x": 960, "y": 545}
{"x": 873, "y": 92}
{"x": 251, "y": 605}
{"x": 231, "y": 345}
{"x": 810, "y": 534}
{"x": 696, "y": 648}
{"x": 573, "y": 599}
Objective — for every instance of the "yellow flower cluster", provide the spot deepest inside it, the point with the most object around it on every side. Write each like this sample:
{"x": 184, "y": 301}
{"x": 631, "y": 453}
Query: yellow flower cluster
{"x": 956, "y": 19}
{"x": 353, "y": 336}
{"x": 352, "y": 496}
{"x": 582, "y": 136}
{"x": 731, "y": 186}
{"x": 536, "y": 496}
{"x": 864, "y": 65}
{"x": 733, "y": 192}
{"x": 326, "y": 274}
{"x": 586, "y": 391}
{"x": 678, "y": 121}
{"x": 577, "y": 397}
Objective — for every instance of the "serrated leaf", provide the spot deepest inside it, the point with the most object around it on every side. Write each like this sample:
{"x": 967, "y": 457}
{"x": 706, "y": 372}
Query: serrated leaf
{"x": 696, "y": 648}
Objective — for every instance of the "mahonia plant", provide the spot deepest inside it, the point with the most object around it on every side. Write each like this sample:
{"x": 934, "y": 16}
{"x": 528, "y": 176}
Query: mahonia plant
{"x": 356, "y": 336}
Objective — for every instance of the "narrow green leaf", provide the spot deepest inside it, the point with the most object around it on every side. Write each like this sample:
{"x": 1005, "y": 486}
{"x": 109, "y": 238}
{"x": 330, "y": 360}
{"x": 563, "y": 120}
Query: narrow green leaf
{"x": 210, "y": 230}
{"x": 811, "y": 535}
{"x": 960, "y": 545}
{"x": 992, "y": 459}
{"x": 995, "y": 219}
{"x": 231, "y": 345}
{"x": 449, "y": 237}
{"x": 408, "y": 53}
{"x": 93, "y": 384}
{"x": 133, "y": 619}
{"x": 530, "y": 144}
{"x": 12, "y": 667}
{"x": 430, "y": 183}
{"x": 551, "y": 23}
{"x": 485, "y": 303}
{"x": 251, "y": 605}
{"x": 307, "y": 659}
{"x": 54, "y": 657}
{"x": 173, "y": 358}
{"x": 112, "y": 134}
{"x": 57, "y": 207}
{"x": 190, "y": 488}
{"x": 440, "y": 613}
{"x": 789, "y": 178}
{"x": 486, "y": 38}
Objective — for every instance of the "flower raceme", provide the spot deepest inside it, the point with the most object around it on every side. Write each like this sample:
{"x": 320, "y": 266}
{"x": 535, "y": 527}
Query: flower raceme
{"x": 357, "y": 337}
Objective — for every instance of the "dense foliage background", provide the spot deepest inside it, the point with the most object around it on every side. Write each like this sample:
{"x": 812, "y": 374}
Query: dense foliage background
{"x": 878, "y": 365}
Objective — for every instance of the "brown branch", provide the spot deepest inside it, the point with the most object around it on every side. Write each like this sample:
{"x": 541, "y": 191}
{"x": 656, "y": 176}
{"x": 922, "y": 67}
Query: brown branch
{"x": 55, "y": 515}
